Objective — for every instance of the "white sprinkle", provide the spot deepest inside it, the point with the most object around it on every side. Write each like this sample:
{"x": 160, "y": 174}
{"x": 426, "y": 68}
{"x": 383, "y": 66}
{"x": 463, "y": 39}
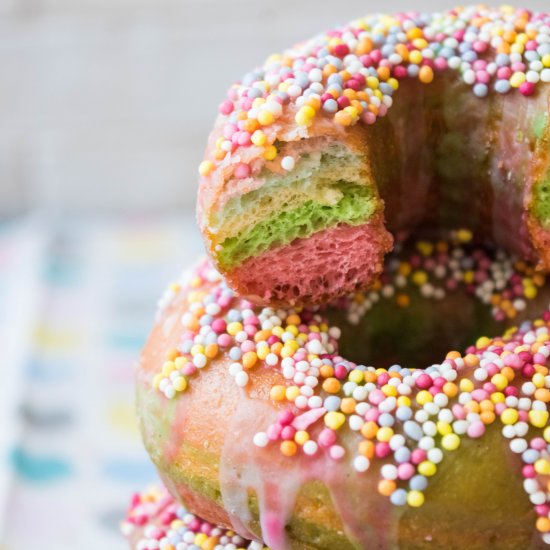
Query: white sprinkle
{"x": 310, "y": 447}
{"x": 261, "y": 439}
{"x": 241, "y": 379}
{"x": 200, "y": 360}
{"x": 361, "y": 463}
{"x": 288, "y": 163}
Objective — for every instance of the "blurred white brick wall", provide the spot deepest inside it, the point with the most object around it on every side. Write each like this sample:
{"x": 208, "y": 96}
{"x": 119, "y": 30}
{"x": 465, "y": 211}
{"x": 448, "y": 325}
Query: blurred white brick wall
{"x": 105, "y": 105}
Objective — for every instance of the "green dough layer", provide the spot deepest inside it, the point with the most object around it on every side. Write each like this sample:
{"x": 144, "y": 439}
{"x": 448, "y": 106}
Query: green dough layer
{"x": 542, "y": 200}
{"x": 356, "y": 206}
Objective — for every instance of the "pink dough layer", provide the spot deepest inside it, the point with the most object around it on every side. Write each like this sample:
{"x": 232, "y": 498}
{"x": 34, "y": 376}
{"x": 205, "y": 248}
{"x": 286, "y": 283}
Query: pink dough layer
{"x": 330, "y": 263}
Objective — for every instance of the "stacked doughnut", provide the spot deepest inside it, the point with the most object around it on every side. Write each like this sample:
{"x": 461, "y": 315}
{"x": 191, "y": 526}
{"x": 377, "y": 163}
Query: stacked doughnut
{"x": 298, "y": 388}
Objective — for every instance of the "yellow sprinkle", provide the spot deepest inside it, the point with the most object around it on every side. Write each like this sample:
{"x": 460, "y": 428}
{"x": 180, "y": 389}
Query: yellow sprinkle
{"x": 265, "y": 117}
{"x": 415, "y": 499}
{"x": 444, "y": 428}
{"x": 423, "y": 397}
{"x": 270, "y": 152}
{"x": 517, "y": 79}
{"x": 450, "y": 442}
{"x": 180, "y": 383}
{"x": 356, "y": 376}
{"x": 206, "y": 167}
{"x": 546, "y": 60}
{"x": 509, "y": 416}
{"x": 384, "y": 434}
{"x": 168, "y": 368}
{"x": 301, "y": 437}
{"x": 427, "y": 468}
{"x": 305, "y": 115}
{"x": 419, "y": 278}
{"x": 292, "y": 393}
{"x": 258, "y": 138}
{"x": 500, "y": 381}
{"x": 539, "y": 419}
{"x": 483, "y": 342}
{"x": 403, "y": 401}
{"x": 538, "y": 380}
{"x": 233, "y": 328}
{"x": 542, "y": 467}
{"x": 415, "y": 57}
{"x": 334, "y": 420}
{"x": 200, "y": 538}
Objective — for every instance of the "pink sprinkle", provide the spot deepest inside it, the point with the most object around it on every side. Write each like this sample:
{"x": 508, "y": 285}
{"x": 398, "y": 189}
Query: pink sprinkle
{"x": 224, "y": 340}
{"x": 372, "y": 415}
{"x": 226, "y": 107}
{"x": 476, "y": 429}
{"x": 337, "y": 452}
{"x": 504, "y": 73}
{"x": 529, "y": 471}
{"x": 376, "y": 397}
{"x": 274, "y": 432}
{"x": 340, "y": 371}
{"x": 285, "y": 417}
{"x": 459, "y": 412}
{"x": 288, "y": 432}
{"x": 242, "y": 170}
{"x": 248, "y": 345}
{"x": 418, "y": 456}
{"x": 229, "y": 130}
{"x": 341, "y": 50}
{"x": 527, "y": 88}
{"x": 368, "y": 118}
{"x": 219, "y": 326}
{"x": 382, "y": 449}
{"x": 343, "y": 102}
{"x": 538, "y": 443}
{"x": 189, "y": 369}
{"x": 424, "y": 381}
{"x": 327, "y": 438}
{"x": 405, "y": 471}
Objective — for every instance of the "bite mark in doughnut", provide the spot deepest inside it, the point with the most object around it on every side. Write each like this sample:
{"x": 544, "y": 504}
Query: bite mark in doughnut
{"x": 314, "y": 139}
{"x": 306, "y": 414}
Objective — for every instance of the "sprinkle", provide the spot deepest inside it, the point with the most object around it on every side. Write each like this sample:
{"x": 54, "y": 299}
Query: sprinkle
{"x": 288, "y": 163}
{"x": 206, "y": 167}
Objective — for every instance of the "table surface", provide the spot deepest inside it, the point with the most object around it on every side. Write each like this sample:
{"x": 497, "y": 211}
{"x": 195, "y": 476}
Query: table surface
{"x": 76, "y": 302}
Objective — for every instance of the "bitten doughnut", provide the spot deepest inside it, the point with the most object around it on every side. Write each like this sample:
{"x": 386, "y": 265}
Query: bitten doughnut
{"x": 326, "y": 152}
{"x": 276, "y": 422}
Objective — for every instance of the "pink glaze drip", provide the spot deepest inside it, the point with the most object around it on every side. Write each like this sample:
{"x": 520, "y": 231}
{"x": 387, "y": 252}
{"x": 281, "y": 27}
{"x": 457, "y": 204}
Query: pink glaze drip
{"x": 276, "y": 480}
{"x": 335, "y": 261}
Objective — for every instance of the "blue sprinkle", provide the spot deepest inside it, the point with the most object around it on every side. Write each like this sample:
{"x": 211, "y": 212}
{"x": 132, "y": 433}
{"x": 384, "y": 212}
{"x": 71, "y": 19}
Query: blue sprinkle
{"x": 502, "y": 86}
{"x": 235, "y": 353}
{"x": 480, "y": 90}
{"x": 418, "y": 483}
{"x": 386, "y": 419}
{"x": 332, "y": 403}
{"x": 399, "y": 497}
{"x": 401, "y": 455}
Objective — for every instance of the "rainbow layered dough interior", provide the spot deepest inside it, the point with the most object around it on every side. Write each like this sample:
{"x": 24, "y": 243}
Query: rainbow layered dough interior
{"x": 313, "y": 428}
{"x": 319, "y": 158}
